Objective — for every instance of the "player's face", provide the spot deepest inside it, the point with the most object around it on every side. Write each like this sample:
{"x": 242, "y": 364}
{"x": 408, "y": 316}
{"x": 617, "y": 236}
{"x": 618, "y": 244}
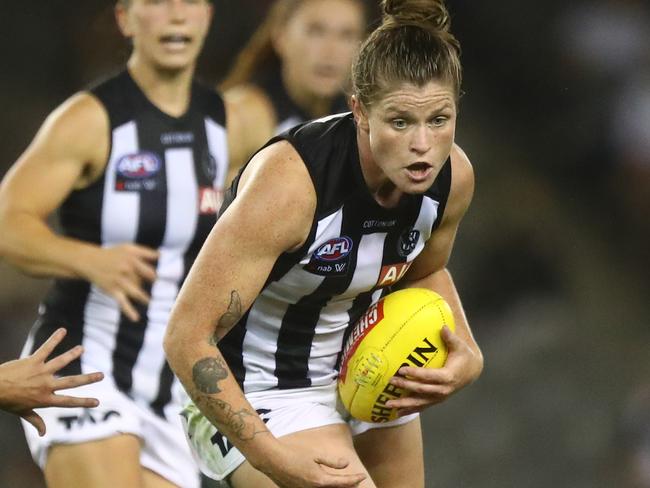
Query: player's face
{"x": 168, "y": 34}
{"x": 409, "y": 134}
{"x": 317, "y": 45}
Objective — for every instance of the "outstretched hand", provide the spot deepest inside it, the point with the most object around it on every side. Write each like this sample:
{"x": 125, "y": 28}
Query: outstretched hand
{"x": 429, "y": 386}
{"x": 30, "y": 382}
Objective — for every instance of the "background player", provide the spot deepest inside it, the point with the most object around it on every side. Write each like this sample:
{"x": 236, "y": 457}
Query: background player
{"x": 135, "y": 166}
{"x": 260, "y": 312}
{"x": 295, "y": 67}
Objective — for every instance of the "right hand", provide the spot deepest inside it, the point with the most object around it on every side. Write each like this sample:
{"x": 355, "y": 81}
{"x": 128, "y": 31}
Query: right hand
{"x": 305, "y": 469}
{"x": 31, "y": 382}
{"x": 120, "y": 270}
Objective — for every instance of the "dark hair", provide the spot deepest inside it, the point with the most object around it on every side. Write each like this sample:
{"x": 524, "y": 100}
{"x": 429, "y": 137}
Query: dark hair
{"x": 413, "y": 44}
{"x": 258, "y": 55}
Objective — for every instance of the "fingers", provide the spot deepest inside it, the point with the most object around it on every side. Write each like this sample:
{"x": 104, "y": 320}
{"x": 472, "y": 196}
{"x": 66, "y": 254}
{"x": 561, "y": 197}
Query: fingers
{"x": 145, "y": 252}
{"x": 338, "y": 463}
{"x": 127, "y": 308}
{"x": 64, "y": 359}
{"x": 451, "y": 340}
{"x": 77, "y": 380}
{"x": 43, "y": 352}
{"x": 145, "y": 271}
{"x": 72, "y": 401}
{"x": 36, "y": 420}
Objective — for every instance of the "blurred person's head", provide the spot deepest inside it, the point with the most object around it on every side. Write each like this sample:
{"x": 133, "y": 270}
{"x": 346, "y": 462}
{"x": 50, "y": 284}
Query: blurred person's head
{"x": 406, "y": 83}
{"x": 311, "y": 42}
{"x": 166, "y": 34}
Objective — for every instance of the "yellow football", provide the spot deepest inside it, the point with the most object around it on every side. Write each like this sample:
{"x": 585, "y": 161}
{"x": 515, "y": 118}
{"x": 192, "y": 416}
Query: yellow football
{"x": 401, "y": 329}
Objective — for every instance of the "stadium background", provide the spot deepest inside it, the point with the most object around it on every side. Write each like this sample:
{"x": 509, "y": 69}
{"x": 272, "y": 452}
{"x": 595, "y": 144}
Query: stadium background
{"x": 552, "y": 260}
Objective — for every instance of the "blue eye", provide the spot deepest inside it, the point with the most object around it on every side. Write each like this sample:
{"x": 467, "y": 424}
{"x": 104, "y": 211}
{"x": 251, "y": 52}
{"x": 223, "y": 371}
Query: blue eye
{"x": 399, "y": 123}
{"x": 438, "y": 121}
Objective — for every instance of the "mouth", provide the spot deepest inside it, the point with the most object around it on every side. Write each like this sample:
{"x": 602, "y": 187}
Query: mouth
{"x": 175, "y": 41}
{"x": 419, "y": 171}
{"x": 325, "y": 71}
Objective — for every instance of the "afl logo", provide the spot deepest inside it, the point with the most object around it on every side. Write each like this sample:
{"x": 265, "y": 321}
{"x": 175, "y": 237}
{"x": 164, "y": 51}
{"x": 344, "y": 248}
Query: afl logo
{"x": 334, "y": 249}
{"x": 138, "y": 166}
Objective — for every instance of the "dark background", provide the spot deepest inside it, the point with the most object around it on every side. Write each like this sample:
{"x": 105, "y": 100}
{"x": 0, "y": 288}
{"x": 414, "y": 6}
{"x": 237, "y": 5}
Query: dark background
{"x": 551, "y": 261}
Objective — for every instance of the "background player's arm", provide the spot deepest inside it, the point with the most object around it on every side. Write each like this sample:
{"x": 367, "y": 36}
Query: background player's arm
{"x": 429, "y": 270}
{"x": 251, "y": 123}
{"x": 272, "y": 214}
{"x": 69, "y": 152}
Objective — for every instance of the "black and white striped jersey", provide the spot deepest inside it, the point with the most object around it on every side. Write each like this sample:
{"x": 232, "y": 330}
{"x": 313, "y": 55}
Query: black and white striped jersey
{"x": 287, "y": 112}
{"x": 293, "y": 333}
{"x": 161, "y": 188}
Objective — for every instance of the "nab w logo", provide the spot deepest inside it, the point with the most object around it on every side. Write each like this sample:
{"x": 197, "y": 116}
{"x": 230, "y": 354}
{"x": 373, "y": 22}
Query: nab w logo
{"x": 334, "y": 249}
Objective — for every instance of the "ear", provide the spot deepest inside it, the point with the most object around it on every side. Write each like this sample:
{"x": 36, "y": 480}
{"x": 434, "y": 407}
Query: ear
{"x": 359, "y": 112}
{"x": 122, "y": 18}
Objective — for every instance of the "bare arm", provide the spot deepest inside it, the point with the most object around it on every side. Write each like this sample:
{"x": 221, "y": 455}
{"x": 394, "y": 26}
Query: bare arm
{"x": 69, "y": 152}
{"x": 465, "y": 361}
{"x": 29, "y": 383}
{"x": 251, "y": 123}
{"x": 228, "y": 274}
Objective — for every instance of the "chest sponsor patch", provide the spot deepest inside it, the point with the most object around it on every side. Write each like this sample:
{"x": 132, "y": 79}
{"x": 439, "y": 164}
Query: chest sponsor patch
{"x": 209, "y": 200}
{"x": 392, "y": 273}
{"x": 137, "y": 172}
{"x": 331, "y": 258}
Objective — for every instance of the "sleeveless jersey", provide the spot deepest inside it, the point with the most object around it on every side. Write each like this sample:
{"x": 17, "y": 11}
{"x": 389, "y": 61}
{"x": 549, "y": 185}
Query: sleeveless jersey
{"x": 292, "y": 335}
{"x": 161, "y": 188}
{"x": 287, "y": 112}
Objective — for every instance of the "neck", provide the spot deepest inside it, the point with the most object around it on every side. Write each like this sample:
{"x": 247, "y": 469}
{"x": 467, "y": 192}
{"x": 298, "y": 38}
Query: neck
{"x": 169, "y": 90}
{"x": 313, "y": 105}
{"x": 382, "y": 189}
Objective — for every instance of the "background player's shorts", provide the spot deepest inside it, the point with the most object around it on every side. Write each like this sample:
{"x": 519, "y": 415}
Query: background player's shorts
{"x": 163, "y": 447}
{"x": 283, "y": 411}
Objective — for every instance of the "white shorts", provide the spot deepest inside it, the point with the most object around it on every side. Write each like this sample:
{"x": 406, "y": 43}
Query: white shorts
{"x": 283, "y": 411}
{"x": 163, "y": 447}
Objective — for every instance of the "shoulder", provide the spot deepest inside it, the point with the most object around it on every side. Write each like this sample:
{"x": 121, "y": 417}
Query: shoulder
{"x": 250, "y": 119}
{"x": 462, "y": 182}
{"x": 251, "y": 103}
{"x": 277, "y": 183}
{"x": 80, "y": 115}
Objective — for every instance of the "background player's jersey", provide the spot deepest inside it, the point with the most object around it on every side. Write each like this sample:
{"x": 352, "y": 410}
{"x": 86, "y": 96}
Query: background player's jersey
{"x": 287, "y": 112}
{"x": 292, "y": 335}
{"x": 161, "y": 188}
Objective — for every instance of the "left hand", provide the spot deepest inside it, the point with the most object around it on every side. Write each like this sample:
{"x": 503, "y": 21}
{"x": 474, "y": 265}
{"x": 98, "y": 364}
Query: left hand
{"x": 429, "y": 386}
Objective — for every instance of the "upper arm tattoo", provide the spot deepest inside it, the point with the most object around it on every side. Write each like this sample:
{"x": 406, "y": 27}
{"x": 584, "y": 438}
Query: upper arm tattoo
{"x": 228, "y": 319}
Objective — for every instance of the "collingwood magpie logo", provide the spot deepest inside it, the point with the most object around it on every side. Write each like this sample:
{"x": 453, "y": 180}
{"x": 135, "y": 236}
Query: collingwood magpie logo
{"x": 407, "y": 242}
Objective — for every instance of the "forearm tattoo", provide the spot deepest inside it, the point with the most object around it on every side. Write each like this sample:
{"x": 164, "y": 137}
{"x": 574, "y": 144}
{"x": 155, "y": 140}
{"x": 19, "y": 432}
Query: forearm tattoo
{"x": 239, "y": 423}
{"x": 228, "y": 319}
{"x": 207, "y": 373}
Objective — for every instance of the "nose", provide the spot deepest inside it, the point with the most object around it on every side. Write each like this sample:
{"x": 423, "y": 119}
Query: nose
{"x": 421, "y": 140}
{"x": 177, "y": 10}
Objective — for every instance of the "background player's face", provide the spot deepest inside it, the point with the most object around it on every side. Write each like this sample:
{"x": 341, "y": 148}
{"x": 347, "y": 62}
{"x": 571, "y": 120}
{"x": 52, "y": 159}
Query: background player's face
{"x": 410, "y": 133}
{"x": 317, "y": 45}
{"x": 168, "y": 34}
